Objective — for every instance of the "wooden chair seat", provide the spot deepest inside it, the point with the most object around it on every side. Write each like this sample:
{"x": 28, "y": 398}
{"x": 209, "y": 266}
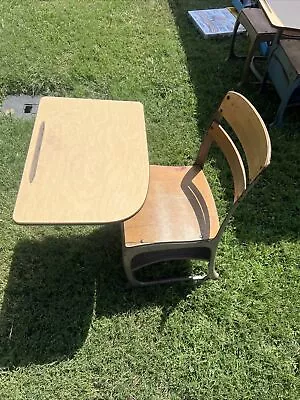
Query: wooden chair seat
{"x": 179, "y": 207}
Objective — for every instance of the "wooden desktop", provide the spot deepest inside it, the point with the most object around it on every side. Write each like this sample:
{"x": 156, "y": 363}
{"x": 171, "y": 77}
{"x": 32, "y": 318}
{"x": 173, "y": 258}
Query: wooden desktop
{"x": 87, "y": 163}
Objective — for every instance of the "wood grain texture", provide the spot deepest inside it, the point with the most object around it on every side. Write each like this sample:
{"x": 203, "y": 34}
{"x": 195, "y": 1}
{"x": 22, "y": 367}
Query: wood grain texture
{"x": 256, "y": 23}
{"x": 179, "y": 207}
{"x": 250, "y": 129}
{"x": 233, "y": 157}
{"x": 282, "y": 13}
{"x": 92, "y": 164}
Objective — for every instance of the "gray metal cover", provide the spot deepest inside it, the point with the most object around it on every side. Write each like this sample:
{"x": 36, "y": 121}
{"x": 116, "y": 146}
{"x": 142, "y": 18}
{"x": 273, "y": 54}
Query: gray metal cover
{"x": 21, "y": 106}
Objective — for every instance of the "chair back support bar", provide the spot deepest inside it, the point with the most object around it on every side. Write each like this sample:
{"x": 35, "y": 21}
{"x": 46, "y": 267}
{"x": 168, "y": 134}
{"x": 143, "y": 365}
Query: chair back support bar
{"x": 233, "y": 157}
{"x": 250, "y": 130}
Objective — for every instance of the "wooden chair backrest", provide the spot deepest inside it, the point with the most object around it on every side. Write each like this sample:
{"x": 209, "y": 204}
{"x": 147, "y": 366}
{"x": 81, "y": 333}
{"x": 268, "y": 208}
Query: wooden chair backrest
{"x": 252, "y": 134}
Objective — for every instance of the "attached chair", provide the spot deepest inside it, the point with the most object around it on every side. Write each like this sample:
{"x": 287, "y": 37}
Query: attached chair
{"x": 179, "y": 219}
{"x": 259, "y": 31}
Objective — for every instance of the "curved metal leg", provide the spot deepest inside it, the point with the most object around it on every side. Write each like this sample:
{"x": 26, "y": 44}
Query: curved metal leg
{"x": 128, "y": 270}
{"x": 246, "y": 70}
{"x": 212, "y": 273}
{"x": 278, "y": 121}
{"x": 231, "y": 51}
{"x": 264, "y": 82}
{"x": 128, "y": 257}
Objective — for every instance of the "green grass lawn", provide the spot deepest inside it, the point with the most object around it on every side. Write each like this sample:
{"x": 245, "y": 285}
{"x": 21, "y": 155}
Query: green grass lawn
{"x": 69, "y": 326}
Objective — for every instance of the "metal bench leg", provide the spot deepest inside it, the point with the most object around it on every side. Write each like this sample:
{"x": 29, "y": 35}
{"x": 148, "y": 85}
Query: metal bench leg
{"x": 285, "y": 102}
{"x": 246, "y": 70}
{"x": 278, "y": 121}
{"x": 264, "y": 82}
{"x": 212, "y": 273}
{"x": 231, "y": 51}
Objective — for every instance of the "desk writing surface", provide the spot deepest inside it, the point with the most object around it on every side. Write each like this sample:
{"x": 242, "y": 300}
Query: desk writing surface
{"x": 87, "y": 163}
{"x": 282, "y": 13}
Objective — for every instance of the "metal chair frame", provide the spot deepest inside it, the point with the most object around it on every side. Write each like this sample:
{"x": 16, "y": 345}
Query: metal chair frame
{"x": 260, "y": 32}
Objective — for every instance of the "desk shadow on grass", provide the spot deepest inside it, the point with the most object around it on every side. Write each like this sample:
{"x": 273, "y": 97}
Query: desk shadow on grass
{"x": 48, "y": 301}
{"x": 56, "y": 286}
